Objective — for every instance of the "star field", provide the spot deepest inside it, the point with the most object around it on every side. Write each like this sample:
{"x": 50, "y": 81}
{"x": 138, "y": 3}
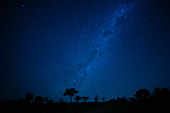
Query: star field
{"x": 105, "y": 47}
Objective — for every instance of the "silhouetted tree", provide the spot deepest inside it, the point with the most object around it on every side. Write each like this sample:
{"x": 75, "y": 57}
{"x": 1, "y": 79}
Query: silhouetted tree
{"x": 78, "y": 98}
{"x": 28, "y": 97}
{"x": 157, "y": 92}
{"x": 161, "y": 95}
{"x": 70, "y": 92}
{"x": 96, "y": 98}
{"x": 142, "y": 94}
{"x": 164, "y": 92}
{"x": 38, "y": 100}
{"x": 103, "y": 99}
{"x": 85, "y": 99}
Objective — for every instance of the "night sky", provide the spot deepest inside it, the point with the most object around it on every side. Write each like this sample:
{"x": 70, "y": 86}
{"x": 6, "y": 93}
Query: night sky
{"x": 110, "y": 48}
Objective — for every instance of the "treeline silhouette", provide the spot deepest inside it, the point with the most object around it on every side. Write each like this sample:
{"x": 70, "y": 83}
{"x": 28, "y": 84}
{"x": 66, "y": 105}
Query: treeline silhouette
{"x": 143, "y": 101}
{"x": 142, "y": 95}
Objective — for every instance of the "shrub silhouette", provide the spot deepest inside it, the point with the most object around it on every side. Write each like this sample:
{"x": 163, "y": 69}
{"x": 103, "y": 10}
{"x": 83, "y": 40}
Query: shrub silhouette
{"x": 28, "y": 97}
{"x": 132, "y": 99}
{"x": 103, "y": 99}
{"x": 46, "y": 99}
{"x": 20, "y": 100}
{"x": 38, "y": 100}
{"x": 78, "y": 98}
{"x": 85, "y": 99}
{"x": 142, "y": 94}
{"x": 123, "y": 100}
{"x": 118, "y": 99}
{"x": 96, "y": 98}
{"x": 112, "y": 100}
{"x": 70, "y": 92}
{"x": 50, "y": 101}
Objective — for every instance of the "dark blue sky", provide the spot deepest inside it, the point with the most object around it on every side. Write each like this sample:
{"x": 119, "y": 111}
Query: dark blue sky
{"x": 106, "y": 47}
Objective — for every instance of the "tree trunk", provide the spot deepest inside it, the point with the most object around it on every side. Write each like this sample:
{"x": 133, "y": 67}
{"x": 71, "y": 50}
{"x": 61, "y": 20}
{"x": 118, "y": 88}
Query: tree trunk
{"x": 71, "y": 98}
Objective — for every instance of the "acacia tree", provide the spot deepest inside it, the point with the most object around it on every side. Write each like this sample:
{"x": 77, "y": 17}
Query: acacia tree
{"x": 70, "y": 92}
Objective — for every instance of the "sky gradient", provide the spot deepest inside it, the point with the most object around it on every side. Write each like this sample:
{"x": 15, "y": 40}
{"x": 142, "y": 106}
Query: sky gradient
{"x": 106, "y": 47}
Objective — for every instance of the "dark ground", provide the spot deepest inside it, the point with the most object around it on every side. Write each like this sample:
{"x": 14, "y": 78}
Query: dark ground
{"x": 86, "y": 108}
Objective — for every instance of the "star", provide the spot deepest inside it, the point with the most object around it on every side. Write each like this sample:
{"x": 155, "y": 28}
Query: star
{"x": 22, "y": 5}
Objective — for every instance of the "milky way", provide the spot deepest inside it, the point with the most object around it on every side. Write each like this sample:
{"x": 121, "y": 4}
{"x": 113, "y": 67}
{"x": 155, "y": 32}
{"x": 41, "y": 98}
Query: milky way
{"x": 106, "y": 47}
{"x": 106, "y": 30}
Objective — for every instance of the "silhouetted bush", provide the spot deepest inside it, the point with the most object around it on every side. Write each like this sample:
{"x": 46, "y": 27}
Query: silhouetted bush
{"x": 46, "y": 99}
{"x": 50, "y": 101}
{"x": 103, "y": 99}
{"x": 132, "y": 99}
{"x": 96, "y": 98}
{"x": 29, "y": 97}
{"x": 38, "y": 100}
{"x": 20, "y": 100}
{"x": 112, "y": 101}
{"x": 123, "y": 100}
{"x": 85, "y": 99}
